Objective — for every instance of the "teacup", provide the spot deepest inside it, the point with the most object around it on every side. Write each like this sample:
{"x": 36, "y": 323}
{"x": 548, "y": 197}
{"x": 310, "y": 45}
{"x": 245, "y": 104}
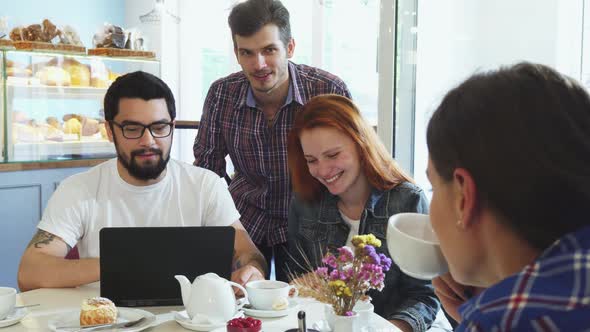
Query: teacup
{"x": 269, "y": 294}
{"x": 7, "y": 301}
{"x": 414, "y": 247}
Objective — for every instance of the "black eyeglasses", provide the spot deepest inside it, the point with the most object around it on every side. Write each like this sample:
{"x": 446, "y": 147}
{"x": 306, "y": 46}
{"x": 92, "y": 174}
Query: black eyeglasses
{"x": 136, "y": 130}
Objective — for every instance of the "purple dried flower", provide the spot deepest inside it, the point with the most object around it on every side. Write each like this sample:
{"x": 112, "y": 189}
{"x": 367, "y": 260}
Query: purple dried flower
{"x": 345, "y": 254}
{"x": 322, "y": 272}
{"x": 349, "y": 313}
{"x": 330, "y": 260}
{"x": 385, "y": 262}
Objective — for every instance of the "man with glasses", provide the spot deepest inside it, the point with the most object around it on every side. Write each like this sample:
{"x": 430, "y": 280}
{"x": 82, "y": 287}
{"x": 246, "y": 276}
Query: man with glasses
{"x": 141, "y": 187}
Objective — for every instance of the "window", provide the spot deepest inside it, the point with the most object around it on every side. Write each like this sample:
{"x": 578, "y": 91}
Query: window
{"x": 340, "y": 36}
{"x": 443, "y": 42}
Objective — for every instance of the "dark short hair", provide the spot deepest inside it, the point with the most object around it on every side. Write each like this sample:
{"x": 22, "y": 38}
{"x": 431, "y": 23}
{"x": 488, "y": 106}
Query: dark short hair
{"x": 523, "y": 133}
{"x": 137, "y": 84}
{"x": 248, "y": 17}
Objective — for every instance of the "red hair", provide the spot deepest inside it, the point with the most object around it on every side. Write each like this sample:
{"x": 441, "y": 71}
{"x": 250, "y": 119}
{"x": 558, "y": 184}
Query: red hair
{"x": 338, "y": 112}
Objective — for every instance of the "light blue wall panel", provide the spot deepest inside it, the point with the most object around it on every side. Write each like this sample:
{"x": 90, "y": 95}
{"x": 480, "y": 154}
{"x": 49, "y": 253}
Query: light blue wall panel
{"x": 17, "y": 226}
{"x": 23, "y": 197}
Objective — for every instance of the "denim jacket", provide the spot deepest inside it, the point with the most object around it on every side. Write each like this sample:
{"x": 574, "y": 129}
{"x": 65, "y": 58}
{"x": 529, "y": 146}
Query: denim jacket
{"x": 315, "y": 228}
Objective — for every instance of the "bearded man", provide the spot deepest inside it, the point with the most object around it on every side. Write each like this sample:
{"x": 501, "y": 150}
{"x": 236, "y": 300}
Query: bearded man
{"x": 142, "y": 187}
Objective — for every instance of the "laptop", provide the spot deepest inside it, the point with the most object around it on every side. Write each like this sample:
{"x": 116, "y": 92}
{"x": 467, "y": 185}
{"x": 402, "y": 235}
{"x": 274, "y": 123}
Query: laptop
{"x": 138, "y": 264}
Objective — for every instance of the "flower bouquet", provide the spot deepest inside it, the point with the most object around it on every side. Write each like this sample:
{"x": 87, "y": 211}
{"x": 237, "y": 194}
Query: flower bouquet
{"x": 347, "y": 275}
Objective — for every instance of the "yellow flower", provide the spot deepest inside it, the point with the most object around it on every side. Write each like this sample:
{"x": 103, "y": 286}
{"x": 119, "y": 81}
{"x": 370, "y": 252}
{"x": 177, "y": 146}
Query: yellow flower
{"x": 360, "y": 241}
{"x": 340, "y": 288}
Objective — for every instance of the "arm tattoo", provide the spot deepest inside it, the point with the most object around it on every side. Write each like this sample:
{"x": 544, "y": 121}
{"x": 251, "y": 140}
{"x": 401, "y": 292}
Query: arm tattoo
{"x": 43, "y": 238}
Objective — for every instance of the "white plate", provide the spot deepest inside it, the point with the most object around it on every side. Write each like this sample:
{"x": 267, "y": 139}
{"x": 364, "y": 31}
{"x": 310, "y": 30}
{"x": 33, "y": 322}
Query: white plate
{"x": 271, "y": 313}
{"x": 14, "y": 317}
{"x": 72, "y": 318}
{"x": 181, "y": 317}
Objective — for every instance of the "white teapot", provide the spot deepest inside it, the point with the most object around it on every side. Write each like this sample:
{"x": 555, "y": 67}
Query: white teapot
{"x": 210, "y": 298}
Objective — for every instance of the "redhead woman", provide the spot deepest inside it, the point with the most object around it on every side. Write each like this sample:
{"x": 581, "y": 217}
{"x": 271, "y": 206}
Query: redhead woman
{"x": 509, "y": 163}
{"x": 346, "y": 183}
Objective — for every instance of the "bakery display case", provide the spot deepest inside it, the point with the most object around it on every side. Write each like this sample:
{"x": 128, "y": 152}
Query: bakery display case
{"x": 52, "y": 104}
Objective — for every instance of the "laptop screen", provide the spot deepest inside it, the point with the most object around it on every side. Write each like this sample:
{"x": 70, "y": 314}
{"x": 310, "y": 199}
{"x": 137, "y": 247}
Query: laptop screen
{"x": 138, "y": 264}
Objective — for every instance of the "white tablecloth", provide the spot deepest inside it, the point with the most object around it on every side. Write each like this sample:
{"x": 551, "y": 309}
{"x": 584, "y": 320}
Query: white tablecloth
{"x": 55, "y": 302}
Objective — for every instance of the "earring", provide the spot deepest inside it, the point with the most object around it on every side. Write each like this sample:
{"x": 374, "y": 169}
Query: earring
{"x": 460, "y": 224}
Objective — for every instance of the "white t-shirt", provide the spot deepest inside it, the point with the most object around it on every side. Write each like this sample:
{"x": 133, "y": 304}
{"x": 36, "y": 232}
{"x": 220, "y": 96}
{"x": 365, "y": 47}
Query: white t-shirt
{"x": 354, "y": 228}
{"x": 86, "y": 202}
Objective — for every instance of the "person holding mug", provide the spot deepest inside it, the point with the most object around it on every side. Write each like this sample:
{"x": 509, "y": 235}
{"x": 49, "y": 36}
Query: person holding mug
{"x": 509, "y": 163}
{"x": 346, "y": 184}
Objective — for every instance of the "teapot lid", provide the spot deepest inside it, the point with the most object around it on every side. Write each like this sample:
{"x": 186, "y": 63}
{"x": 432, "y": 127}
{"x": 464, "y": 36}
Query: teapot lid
{"x": 210, "y": 275}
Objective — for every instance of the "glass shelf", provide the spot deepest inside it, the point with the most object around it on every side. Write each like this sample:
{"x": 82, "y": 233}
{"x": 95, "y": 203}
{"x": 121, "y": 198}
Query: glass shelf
{"x": 52, "y": 104}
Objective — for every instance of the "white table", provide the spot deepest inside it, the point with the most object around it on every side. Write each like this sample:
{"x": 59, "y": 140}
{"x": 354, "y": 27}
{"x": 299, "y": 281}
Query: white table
{"x": 55, "y": 302}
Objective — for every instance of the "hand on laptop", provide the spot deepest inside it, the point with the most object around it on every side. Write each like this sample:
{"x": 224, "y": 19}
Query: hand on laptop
{"x": 244, "y": 275}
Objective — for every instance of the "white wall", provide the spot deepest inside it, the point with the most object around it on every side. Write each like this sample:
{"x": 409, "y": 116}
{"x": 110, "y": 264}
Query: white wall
{"x": 162, "y": 38}
{"x": 458, "y": 37}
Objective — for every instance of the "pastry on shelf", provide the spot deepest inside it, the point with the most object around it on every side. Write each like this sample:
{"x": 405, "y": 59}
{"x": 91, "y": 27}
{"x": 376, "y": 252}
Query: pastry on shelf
{"x": 113, "y": 76}
{"x": 103, "y": 131}
{"x": 18, "y": 72}
{"x": 17, "y": 69}
{"x": 89, "y": 126}
{"x": 73, "y": 126}
{"x": 99, "y": 75}
{"x": 71, "y": 115}
{"x": 51, "y": 133}
{"x": 54, "y": 76}
{"x": 52, "y": 121}
{"x": 26, "y": 133}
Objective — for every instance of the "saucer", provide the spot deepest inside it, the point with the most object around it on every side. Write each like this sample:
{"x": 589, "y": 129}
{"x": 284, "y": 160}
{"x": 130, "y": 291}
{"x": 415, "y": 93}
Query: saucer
{"x": 14, "y": 317}
{"x": 270, "y": 313}
{"x": 181, "y": 317}
{"x": 72, "y": 318}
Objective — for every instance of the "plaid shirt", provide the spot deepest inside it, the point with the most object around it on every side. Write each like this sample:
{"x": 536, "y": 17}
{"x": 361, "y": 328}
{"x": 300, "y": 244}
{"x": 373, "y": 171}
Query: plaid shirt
{"x": 232, "y": 124}
{"x": 551, "y": 294}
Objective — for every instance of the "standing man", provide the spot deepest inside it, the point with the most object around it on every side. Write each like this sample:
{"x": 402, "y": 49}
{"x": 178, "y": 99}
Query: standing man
{"x": 248, "y": 115}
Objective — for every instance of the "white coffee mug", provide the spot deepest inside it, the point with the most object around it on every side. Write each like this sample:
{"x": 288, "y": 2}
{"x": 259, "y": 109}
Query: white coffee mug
{"x": 269, "y": 294}
{"x": 414, "y": 247}
{"x": 7, "y": 301}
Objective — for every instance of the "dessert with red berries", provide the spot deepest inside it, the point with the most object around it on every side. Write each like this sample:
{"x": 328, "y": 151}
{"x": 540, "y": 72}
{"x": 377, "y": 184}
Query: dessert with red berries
{"x": 248, "y": 324}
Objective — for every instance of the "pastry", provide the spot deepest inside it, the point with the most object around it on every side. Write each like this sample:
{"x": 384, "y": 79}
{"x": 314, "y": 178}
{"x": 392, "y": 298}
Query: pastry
{"x": 18, "y": 72}
{"x": 26, "y": 133}
{"x": 97, "y": 310}
{"x": 79, "y": 74}
{"x": 52, "y": 121}
{"x": 50, "y": 31}
{"x": 99, "y": 75}
{"x": 16, "y": 34}
{"x": 103, "y": 130}
{"x": 73, "y": 126}
{"x": 51, "y": 133}
{"x": 70, "y": 115}
{"x": 52, "y": 75}
{"x": 89, "y": 127}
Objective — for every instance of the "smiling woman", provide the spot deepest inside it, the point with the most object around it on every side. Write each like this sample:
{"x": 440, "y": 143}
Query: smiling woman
{"x": 346, "y": 184}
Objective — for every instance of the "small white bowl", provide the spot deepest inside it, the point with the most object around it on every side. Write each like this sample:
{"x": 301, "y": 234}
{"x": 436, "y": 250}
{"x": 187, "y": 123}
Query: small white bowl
{"x": 414, "y": 247}
{"x": 7, "y": 301}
